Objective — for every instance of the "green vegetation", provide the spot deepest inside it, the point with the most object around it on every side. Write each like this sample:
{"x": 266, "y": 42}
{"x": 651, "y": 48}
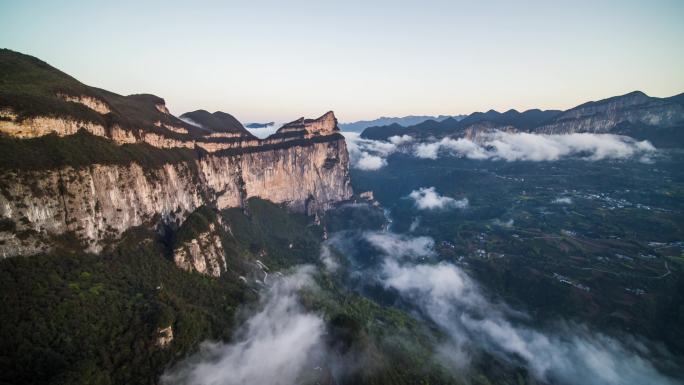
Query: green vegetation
{"x": 355, "y": 217}
{"x": 196, "y": 223}
{"x": 616, "y": 237}
{"x": 30, "y": 87}
{"x": 396, "y": 348}
{"x": 84, "y": 149}
{"x": 271, "y": 234}
{"x": 74, "y": 318}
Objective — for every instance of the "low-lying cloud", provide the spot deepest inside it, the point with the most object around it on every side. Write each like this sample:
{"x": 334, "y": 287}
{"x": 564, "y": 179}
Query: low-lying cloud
{"x": 399, "y": 246}
{"x": 328, "y": 259}
{"x": 536, "y": 147}
{"x": 566, "y": 353}
{"x": 372, "y": 155}
{"x": 427, "y": 198}
{"x": 367, "y": 161}
{"x": 264, "y": 132}
{"x": 274, "y": 346}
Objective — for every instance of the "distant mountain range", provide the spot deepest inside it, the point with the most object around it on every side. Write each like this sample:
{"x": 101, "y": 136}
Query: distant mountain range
{"x": 405, "y": 121}
{"x": 259, "y": 125}
{"x": 635, "y": 114}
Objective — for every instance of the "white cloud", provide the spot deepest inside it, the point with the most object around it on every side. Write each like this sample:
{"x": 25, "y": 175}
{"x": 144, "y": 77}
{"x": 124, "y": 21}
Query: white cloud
{"x": 264, "y": 132}
{"x": 367, "y": 154}
{"x": 370, "y": 155}
{"x": 191, "y": 122}
{"x": 459, "y": 146}
{"x": 273, "y": 347}
{"x": 562, "y": 353}
{"x": 426, "y": 198}
{"x": 562, "y": 201}
{"x": 328, "y": 259}
{"x": 506, "y": 224}
{"x": 370, "y": 162}
{"x": 535, "y": 147}
{"x": 414, "y": 224}
{"x": 571, "y": 355}
{"x": 398, "y": 140}
{"x": 398, "y": 246}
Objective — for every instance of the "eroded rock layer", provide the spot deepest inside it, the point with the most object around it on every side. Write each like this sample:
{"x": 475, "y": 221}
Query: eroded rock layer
{"x": 97, "y": 203}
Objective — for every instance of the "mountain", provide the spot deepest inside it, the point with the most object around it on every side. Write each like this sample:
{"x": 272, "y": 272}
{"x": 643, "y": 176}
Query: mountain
{"x": 259, "y": 125}
{"x": 449, "y": 126}
{"x": 405, "y": 121}
{"x": 36, "y": 99}
{"x": 521, "y": 120}
{"x": 634, "y": 108}
{"x": 219, "y": 122}
{"x": 86, "y": 163}
{"x": 633, "y": 113}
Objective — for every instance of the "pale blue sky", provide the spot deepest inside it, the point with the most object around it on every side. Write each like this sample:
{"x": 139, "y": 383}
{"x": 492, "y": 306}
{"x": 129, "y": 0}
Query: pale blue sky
{"x": 278, "y": 60}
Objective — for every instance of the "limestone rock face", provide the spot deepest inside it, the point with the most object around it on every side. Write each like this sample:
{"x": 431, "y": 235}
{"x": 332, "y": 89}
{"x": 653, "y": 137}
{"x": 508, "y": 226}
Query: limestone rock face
{"x": 161, "y": 107}
{"x": 164, "y": 337}
{"x": 203, "y": 254}
{"x": 325, "y": 125}
{"x": 94, "y": 104}
{"x": 43, "y": 125}
{"x": 603, "y": 116}
{"x": 99, "y": 202}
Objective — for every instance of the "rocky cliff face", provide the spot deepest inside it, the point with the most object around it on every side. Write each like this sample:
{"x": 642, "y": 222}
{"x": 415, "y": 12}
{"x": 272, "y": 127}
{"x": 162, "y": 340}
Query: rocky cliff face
{"x": 203, "y": 253}
{"x": 325, "y": 125}
{"x": 611, "y": 115}
{"x": 308, "y": 172}
{"x": 605, "y": 115}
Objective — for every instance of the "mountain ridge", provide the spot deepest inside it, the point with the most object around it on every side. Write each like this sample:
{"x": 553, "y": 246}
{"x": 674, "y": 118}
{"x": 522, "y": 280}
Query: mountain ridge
{"x": 88, "y": 164}
{"x": 617, "y": 114}
{"x": 404, "y": 121}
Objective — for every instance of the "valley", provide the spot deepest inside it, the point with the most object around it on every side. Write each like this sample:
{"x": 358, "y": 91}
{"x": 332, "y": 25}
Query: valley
{"x": 139, "y": 247}
{"x": 598, "y": 242}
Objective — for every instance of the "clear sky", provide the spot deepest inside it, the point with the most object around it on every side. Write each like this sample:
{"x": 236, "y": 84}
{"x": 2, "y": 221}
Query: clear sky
{"x": 278, "y": 60}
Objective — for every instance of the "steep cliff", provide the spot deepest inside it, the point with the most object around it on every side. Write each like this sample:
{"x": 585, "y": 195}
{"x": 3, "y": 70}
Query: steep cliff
{"x": 199, "y": 243}
{"x": 100, "y": 201}
{"x": 635, "y": 108}
{"x": 138, "y": 164}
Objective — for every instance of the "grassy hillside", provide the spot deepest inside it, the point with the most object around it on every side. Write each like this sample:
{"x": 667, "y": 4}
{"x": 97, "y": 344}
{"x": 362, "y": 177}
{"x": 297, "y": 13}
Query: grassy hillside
{"x": 30, "y": 87}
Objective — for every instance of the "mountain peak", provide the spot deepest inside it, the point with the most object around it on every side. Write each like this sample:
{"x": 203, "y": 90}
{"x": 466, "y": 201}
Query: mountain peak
{"x": 324, "y": 125}
{"x": 218, "y": 121}
{"x": 635, "y": 93}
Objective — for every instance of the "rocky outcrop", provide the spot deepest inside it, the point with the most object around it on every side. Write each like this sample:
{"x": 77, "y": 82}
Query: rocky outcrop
{"x": 98, "y": 203}
{"x": 325, "y": 125}
{"x": 634, "y": 108}
{"x": 94, "y": 104}
{"x": 164, "y": 337}
{"x": 211, "y": 141}
{"x": 43, "y": 125}
{"x": 203, "y": 253}
{"x": 161, "y": 107}
{"x": 87, "y": 200}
